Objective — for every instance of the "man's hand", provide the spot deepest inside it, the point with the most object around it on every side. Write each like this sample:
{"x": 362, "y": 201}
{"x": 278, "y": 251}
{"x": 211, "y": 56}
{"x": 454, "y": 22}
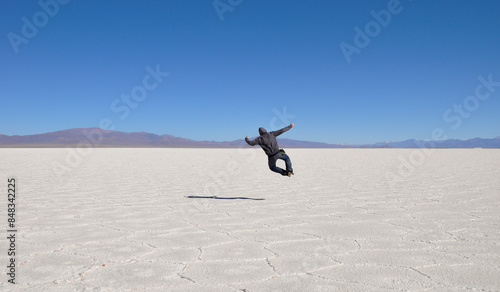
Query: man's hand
{"x": 246, "y": 137}
{"x": 292, "y": 125}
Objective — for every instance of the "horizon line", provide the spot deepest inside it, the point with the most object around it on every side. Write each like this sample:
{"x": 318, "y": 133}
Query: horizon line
{"x": 353, "y": 145}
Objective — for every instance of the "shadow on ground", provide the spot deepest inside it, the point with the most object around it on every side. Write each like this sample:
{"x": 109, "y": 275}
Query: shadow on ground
{"x": 224, "y": 198}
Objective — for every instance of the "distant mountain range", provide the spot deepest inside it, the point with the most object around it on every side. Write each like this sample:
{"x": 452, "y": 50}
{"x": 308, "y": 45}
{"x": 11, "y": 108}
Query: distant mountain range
{"x": 101, "y": 138}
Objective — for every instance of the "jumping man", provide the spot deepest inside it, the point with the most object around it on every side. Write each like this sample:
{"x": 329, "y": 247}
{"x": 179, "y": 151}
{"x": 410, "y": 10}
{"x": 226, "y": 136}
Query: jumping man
{"x": 270, "y": 146}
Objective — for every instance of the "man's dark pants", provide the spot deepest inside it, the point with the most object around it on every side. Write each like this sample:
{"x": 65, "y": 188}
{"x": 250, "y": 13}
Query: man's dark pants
{"x": 274, "y": 158}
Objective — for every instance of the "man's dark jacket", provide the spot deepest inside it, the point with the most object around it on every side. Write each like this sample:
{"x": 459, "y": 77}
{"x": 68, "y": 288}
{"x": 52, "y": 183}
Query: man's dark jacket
{"x": 268, "y": 140}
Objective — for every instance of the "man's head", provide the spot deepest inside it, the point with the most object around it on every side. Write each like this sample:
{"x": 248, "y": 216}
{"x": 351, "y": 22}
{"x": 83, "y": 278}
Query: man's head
{"x": 262, "y": 131}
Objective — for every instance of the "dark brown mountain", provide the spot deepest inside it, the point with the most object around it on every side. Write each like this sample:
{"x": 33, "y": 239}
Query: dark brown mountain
{"x": 101, "y": 138}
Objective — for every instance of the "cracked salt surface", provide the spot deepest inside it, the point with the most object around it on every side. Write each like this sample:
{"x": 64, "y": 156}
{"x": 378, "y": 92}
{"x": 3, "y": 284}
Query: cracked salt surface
{"x": 137, "y": 219}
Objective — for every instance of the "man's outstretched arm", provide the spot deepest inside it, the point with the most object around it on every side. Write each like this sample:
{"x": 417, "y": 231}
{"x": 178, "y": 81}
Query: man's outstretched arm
{"x": 281, "y": 131}
{"x": 251, "y": 142}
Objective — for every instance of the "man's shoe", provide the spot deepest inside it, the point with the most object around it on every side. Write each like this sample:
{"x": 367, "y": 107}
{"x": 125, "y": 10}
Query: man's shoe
{"x": 289, "y": 173}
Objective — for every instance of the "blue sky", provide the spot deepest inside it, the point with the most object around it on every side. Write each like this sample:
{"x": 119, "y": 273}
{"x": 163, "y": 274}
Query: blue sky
{"x": 252, "y": 64}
